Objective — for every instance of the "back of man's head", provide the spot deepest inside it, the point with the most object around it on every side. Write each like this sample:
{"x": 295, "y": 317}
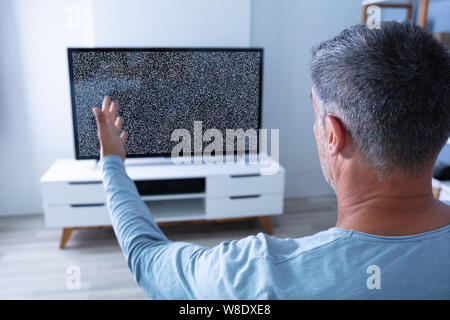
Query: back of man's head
{"x": 391, "y": 89}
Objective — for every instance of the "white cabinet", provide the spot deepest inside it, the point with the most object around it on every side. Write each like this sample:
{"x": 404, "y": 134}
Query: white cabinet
{"x": 245, "y": 205}
{"x": 55, "y": 193}
{"x": 245, "y": 184}
{"x": 74, "y": 197}
{"x": 72, "y": 215}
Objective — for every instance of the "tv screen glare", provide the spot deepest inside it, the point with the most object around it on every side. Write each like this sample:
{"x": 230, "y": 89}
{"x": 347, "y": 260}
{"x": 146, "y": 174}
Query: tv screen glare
{"x": 159, "y": 90}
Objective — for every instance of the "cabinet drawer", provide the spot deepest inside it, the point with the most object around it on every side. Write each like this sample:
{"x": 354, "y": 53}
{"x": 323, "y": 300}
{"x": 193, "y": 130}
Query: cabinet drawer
{"x": 77, "y": 215}
{"x": 55, "y": 193}
{"x": 242, "y": 206}
{"x": 234, "y": 185}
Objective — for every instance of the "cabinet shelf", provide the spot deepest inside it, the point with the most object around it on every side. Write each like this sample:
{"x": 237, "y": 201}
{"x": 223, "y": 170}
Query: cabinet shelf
{"x": 177, "y": 209}
{"x": 174, "y": 196}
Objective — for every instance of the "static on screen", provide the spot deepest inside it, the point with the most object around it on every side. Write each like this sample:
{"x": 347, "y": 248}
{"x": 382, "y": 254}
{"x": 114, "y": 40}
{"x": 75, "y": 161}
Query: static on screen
{"x": 160, "y": 90}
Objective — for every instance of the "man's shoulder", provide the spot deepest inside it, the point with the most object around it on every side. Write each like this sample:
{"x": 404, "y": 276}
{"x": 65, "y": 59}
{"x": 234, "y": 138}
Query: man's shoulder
{"x": 337, "y": 242}
{"x": 280, "y": 249}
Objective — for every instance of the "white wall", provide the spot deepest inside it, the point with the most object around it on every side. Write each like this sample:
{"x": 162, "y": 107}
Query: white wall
{"x": 287, "y": 30}
{"x": 14, "y": 134}
{"x": 172, "y": 22}
{"x": 35, "y": 124}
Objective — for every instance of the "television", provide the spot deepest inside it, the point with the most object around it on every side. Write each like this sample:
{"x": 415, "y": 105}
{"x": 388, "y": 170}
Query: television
{"x": 159, "y": 90}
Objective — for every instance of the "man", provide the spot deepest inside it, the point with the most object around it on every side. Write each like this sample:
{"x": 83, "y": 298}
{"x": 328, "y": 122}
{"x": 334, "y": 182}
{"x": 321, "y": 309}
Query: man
{"x": 382, "y": 104}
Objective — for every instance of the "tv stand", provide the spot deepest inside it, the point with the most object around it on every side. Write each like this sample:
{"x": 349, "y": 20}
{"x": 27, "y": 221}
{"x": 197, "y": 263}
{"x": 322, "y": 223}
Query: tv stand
{"x": 74, "y": 197}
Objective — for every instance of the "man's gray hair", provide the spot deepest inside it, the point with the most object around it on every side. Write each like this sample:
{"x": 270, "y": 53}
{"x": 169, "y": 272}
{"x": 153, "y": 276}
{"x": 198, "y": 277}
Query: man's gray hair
{"x": 391, "y": 89}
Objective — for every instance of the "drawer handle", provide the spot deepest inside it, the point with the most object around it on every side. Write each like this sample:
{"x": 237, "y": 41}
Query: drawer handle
{"x": 249, "y": 175}
{"x": 85, "y": 182}
{"x": 87, "y": 205}
{"x": 245, "y": 197}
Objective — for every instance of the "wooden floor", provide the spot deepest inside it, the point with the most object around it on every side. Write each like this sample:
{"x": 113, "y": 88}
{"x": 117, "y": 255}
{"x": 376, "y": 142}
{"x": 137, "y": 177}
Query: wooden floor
{"x": 32, "y": 266}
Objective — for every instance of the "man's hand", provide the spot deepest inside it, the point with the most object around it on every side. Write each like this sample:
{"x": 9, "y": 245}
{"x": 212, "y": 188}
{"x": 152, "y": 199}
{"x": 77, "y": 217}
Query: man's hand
{"x": 109, "y": 127}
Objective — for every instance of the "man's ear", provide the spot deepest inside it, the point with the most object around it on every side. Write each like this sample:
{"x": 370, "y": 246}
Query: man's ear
{"x": 335, "y": 134}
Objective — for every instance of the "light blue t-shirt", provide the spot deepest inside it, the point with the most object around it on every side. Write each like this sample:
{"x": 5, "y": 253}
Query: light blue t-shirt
{"x": 332, "y": 264}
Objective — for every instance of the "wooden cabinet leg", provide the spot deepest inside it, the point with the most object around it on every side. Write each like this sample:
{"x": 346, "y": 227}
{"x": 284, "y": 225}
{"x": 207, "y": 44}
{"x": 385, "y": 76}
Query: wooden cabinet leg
{"x": 65, "y": 237}
{"x": 265, "y": 221}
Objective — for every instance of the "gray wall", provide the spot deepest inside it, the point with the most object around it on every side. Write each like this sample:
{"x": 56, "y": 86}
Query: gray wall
{"x": 438, "y": 18}
{"x": 287, "y": 30}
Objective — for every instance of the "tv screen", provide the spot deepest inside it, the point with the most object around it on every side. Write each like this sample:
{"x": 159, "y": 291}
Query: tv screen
{"x": 159, "y": 90}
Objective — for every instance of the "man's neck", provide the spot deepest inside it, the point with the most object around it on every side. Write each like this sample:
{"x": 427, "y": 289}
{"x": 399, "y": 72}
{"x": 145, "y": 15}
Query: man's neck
{"x": 399, "y": 205}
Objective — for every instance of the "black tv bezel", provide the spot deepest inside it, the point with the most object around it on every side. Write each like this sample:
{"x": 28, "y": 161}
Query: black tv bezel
{"x": 70, "y": 50}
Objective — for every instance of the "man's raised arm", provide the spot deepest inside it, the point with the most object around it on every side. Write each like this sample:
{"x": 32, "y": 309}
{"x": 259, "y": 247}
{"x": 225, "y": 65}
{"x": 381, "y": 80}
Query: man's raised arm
{"x": 166, "y": 269}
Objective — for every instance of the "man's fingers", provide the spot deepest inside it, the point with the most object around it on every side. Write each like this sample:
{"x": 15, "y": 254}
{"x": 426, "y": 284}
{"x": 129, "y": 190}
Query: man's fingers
{"x": 113, "y": 111}
{"x": 106, "y": 104}
{"x": 99, "y": 117}
{"x": 123, "y": 136}
{"x": 118, "y": 123}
